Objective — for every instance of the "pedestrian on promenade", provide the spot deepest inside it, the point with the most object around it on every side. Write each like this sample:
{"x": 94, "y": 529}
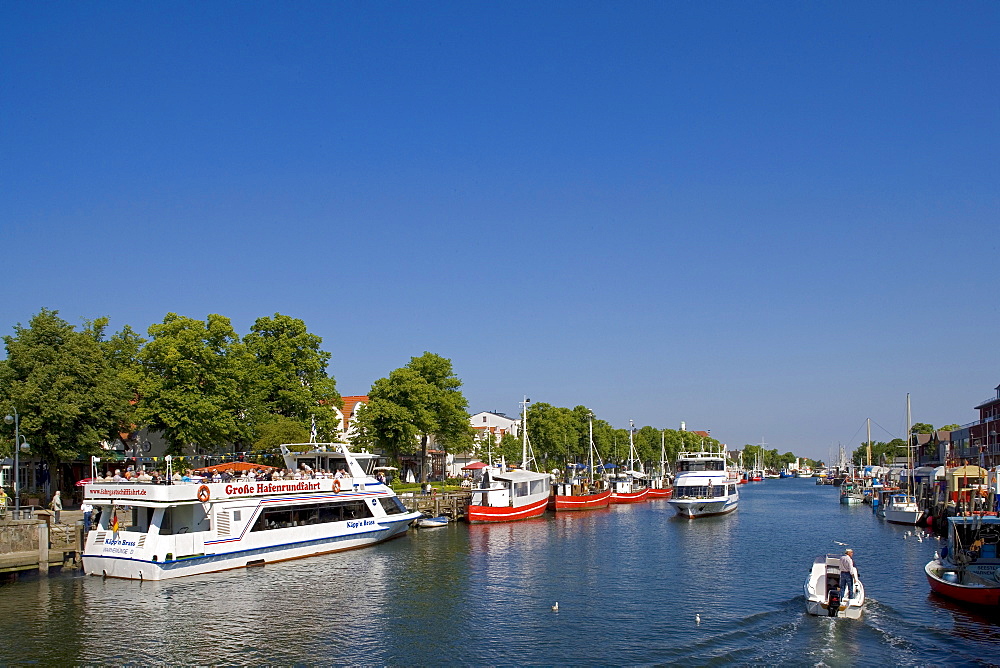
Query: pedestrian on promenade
{"x": 56, "y": 504}
{"x": 88, "y": 511}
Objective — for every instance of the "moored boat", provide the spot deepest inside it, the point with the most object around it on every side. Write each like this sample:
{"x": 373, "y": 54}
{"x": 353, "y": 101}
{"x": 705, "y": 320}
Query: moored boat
{"x": 903, "y": 509}
{"x": 432, "y": 522}
{"x": 629, "y": 486}
{"x": 823, "y": 587}
{"x": 702, "y": 486}
{"x": 626, "y": 489}
{"x": 968, "y": 568}
{"x": 577, "y": 492}
{"x": 512, "y": 495}
{"x": 192, "y": 528}
{"x": 851, "y": 493}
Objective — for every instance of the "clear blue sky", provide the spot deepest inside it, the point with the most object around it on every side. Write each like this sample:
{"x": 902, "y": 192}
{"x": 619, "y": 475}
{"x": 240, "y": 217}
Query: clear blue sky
{"x": 771, "y": 219}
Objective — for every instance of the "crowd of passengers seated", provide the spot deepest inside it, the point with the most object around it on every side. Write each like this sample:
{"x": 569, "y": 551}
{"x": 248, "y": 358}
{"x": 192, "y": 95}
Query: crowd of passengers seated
{"x": 159, "y": 478}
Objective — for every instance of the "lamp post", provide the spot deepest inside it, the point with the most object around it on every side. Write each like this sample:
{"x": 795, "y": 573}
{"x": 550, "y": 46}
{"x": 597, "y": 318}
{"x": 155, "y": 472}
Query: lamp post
{"x": 15, "y": 419}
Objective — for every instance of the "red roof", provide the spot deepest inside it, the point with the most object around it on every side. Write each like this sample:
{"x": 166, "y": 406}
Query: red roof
{"x": 349, "y": 404}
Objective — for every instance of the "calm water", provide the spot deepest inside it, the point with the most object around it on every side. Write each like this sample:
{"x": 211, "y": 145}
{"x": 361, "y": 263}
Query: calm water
{"x": 629, "y": 581}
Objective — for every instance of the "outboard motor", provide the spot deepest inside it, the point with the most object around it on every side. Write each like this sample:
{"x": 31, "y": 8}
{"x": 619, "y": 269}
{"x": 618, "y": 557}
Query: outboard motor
{"x": 833, "y": 603}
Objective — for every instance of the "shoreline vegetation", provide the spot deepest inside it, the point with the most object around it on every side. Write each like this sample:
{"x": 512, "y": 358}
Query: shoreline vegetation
{"x": 210, "y": 392}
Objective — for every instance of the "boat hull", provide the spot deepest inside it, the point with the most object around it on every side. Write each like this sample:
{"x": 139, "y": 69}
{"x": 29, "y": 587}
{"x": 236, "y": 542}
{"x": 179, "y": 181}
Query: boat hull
{"x": 131, "y": 568}
{"x": 695, "y": 508}
{"x": 980, "y": 593}
{"x": 660, "y": 493}
{"x": 490, "y": 514}
{"x": 910, "y": 517}
{"x": 630, "y": 497}
{"x": 562, "y": 503}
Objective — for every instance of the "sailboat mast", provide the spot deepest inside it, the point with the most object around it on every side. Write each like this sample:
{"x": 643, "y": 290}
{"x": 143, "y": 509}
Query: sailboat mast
{"x": 524, "y": 433}
{"x": 663, "y": 453}
{"x": 869, "y": 422}
{"x": 631, "y": 446}
{"x": 909, "y": 439}
{"x": 591, "y": 463}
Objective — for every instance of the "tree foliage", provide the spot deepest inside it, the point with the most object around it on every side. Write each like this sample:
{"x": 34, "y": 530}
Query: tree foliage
{"x": 277, "y": 431}
{"x": 192, "y": 387}
{"x": 418, "y": 400}
{"x": 70, "y": 391}
{"x": 286, "y": 374}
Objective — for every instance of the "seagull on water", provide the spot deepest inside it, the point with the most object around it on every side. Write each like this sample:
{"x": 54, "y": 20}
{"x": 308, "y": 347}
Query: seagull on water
{"x": 555, "y": 608}
{"x": 839, "y": 543}
{"x": 697, "y": 619}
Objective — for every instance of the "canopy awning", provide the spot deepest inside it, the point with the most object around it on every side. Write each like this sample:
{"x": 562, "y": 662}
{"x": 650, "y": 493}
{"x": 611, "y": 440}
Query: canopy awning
{"x": 475, "y": 466}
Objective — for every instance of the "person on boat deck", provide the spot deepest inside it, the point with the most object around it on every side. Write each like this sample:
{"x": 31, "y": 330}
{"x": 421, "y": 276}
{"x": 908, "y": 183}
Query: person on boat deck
{"x": 847, "y": 574}
{"x": 339, "y": 473}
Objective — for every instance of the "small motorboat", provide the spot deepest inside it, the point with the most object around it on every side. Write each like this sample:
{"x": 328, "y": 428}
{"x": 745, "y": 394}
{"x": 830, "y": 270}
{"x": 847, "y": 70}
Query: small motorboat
{"x": 431, "y": 522}
{"x": 822, "y": 589}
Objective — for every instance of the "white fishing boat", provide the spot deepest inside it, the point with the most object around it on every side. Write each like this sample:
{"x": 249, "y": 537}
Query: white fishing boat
{"x": 190, "y": 528}
{"x": 702, "y": 486}
{"x": 822, "y": 590}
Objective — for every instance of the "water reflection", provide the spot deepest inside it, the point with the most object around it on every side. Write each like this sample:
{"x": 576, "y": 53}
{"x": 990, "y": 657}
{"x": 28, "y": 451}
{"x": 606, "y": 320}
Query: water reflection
{"x": 629, "y": 580}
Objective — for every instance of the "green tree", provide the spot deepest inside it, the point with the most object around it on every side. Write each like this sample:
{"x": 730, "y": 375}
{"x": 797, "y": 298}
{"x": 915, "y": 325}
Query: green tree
{"x": 950, "y": 427}
{"x": 67, "y": 392}
{"x": 193, "y": 384}
{"x": 277, "y": 431}
{"x": 921, "y": 428}
{"x": 287, "y": 371}
{"x": 422, "y": 399}
{"x": 553, "y": 433}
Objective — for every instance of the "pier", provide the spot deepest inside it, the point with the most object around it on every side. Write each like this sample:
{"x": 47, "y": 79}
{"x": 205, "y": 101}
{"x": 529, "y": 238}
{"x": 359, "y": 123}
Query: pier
{"x": 435, "y": 504}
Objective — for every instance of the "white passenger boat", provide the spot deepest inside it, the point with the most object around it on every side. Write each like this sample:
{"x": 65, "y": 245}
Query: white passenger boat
{"x": 703, "y": 486}
{"x": 191, "y": 528}
{"x": 822, "y": 590}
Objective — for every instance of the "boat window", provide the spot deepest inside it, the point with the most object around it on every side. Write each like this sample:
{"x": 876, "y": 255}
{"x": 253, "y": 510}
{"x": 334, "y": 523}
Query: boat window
{"x": 521, "y": 488}
{"x": 282, "y": 517}
{"x": 392, "y": 505}
{"x": 167, "y": 522}
{"x": 695, "y": 491}
{"x": 141, "y": 518}
{"x": 539, "y": 486}
{"x": 711, "y": 465}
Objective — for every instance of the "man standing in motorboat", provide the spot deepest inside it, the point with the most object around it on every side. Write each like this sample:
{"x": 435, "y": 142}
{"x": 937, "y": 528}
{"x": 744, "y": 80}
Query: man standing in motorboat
{"x": 847, "y": 574}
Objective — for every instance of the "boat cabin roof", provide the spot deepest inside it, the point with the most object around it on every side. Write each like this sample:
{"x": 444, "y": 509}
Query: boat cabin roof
{"x": 518, "y": 475}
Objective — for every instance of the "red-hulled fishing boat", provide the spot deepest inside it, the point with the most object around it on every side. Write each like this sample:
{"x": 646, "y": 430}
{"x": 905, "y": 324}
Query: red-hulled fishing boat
{"x": 513, "y": 495}
{"x": 968, "y": 568}
{"x": 577, "y": 492}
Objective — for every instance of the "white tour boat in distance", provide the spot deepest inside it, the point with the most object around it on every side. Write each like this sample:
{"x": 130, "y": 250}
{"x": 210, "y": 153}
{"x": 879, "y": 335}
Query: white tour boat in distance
{"x": 822, "y": 590}
{"x": 702, "y": 486}
{"x": 191, "y": 528}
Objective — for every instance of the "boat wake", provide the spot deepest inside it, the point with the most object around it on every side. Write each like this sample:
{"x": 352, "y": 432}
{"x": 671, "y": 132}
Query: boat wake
{"x": 787, "y": 635}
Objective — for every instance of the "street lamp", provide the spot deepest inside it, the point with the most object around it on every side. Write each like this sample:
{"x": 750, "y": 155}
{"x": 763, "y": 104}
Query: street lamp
{"x": 15, "y": 419}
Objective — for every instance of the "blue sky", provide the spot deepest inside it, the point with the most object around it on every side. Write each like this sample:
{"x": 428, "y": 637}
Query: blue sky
{"x": 771, "y": 220}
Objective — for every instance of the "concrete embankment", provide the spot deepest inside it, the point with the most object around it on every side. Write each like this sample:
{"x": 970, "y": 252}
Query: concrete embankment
{"x": 39, "y": 544}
